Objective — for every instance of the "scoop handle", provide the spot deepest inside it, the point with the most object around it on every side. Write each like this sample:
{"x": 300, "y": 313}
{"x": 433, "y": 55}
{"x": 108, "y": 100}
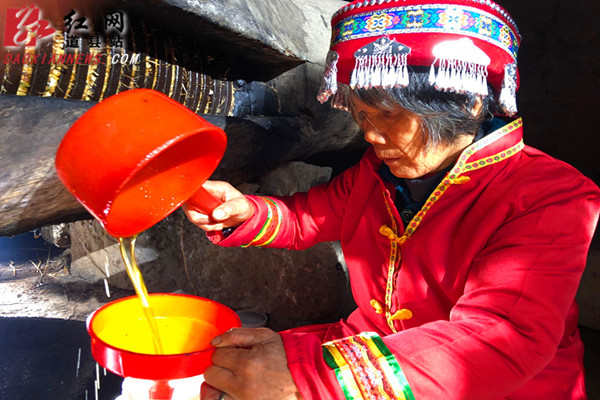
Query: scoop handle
{"x": 203, "y": 202}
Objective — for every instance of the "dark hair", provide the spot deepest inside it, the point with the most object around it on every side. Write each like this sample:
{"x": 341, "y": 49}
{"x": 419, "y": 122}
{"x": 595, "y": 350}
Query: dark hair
{"x": 445, "y": 116}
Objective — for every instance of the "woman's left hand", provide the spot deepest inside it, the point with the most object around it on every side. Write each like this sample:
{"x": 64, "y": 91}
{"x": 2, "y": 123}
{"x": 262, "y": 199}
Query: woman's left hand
{"x": 249, "y": 364}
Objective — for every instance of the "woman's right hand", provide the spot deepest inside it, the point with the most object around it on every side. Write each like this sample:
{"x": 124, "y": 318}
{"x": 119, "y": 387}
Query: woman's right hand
{"x": 234, "y": 210}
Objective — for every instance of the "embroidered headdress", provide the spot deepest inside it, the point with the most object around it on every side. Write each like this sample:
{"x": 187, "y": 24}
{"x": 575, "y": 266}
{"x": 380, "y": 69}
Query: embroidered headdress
{"x": 465, "y": 43}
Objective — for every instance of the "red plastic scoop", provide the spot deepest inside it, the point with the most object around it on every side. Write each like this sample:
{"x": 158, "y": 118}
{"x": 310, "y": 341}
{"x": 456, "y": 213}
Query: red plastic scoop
{"x": 135, "y": 157}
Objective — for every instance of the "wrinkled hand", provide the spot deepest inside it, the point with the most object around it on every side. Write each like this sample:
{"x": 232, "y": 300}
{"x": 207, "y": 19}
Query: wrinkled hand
{"x": 234, "y": 210}
{"x": 249, "y": 364}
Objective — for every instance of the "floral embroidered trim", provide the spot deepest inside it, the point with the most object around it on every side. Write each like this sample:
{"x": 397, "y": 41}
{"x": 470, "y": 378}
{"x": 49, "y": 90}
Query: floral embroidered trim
{"x": 366, "y": 369}
{"x": 484, "y": 162}
{"x": 436, "y": 18}
{"x": 462, "y": 166}
{"x": 270, "y": 228}
{"x": 488, "y": 3}
{"x": 394, "y": 255}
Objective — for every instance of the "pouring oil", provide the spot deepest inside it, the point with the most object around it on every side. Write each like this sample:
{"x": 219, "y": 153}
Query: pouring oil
{"x": 127, "y": 247}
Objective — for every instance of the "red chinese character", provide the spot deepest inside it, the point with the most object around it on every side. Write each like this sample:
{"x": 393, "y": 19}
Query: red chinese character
{"x": 24, "y": 26}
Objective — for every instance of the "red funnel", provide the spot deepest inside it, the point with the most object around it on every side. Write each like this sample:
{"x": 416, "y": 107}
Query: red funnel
{"x": 122, "y": 339}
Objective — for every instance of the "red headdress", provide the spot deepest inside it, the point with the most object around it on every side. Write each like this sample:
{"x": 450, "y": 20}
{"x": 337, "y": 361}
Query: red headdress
{"x": 466, "y": 43}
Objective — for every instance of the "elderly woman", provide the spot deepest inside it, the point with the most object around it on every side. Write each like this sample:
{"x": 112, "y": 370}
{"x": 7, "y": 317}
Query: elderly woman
{"x": 464, "y": 246}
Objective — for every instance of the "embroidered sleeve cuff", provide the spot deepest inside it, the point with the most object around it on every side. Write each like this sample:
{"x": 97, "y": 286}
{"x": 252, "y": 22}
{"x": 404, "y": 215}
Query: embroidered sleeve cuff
{"x": 314, "y": 379}
{"x": 366, "y": 369}
{"x": 271, "y": 225}
{"x": 260, "y": 230}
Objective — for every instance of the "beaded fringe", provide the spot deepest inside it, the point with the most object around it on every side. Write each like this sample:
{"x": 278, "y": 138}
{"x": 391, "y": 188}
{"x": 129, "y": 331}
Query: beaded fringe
{"x": 459, "y": 76}
{"x": 329, "y": 86}
{"x": 459, "y": 67}
{"x": 508, "y": 94}
{"x": 341, "y": 99}
{"x": 389, "y": 70}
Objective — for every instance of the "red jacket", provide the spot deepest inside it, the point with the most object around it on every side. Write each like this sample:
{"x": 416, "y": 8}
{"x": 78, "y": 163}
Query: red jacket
{"x": 474, "y": 299}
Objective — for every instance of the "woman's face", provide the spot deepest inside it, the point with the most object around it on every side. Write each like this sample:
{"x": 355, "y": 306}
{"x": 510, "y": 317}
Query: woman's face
{"x": 397, "y": 138}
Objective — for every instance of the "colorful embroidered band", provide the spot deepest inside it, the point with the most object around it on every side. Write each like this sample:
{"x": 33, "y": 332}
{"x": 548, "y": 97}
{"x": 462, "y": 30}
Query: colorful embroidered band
{"x": 366, "y": 369}
{"x": 467, "y": 44}
{"x": 435, "y": 18}
{"x": 270, "y": 228}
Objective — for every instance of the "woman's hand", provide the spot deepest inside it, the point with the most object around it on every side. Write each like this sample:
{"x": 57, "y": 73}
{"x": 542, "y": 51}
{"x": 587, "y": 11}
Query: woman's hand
{"x": 249, "y": 364}
{"x": 234, "y": 210}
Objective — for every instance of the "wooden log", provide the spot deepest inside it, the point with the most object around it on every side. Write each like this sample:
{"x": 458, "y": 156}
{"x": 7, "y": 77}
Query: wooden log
{"x": 31, "y": 129}
{"x": 30, "y": 193}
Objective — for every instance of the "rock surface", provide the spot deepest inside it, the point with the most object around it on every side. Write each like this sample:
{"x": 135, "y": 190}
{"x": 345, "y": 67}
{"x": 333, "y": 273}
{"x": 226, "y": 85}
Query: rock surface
{"x": 299, "y": 29}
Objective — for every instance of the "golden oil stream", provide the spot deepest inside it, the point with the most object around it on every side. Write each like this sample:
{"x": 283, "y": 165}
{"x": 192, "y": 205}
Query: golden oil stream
{"x": 127, "y": 247}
